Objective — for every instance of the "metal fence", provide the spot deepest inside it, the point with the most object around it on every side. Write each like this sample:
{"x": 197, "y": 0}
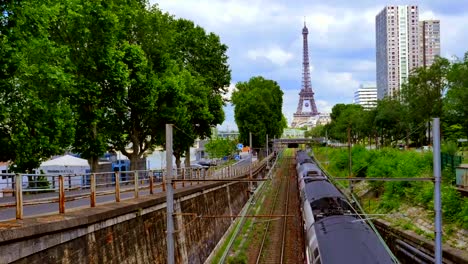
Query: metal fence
{"x": 61, "y": 188}
{"x": 451, "y": 161}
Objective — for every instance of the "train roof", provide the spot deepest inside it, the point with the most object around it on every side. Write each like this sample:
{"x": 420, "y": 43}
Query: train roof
{"x": 316, "y": 190}
{"x": 309, "y": 166}
{"x": 300, "y": 156}
{"x": 345, "y": 239}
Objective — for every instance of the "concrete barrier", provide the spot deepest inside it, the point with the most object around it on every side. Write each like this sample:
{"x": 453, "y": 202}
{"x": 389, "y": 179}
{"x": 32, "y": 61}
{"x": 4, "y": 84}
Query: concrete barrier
{"x": 132, "y": 231}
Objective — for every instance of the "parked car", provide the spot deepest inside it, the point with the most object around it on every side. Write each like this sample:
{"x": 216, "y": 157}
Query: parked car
{"x": 207, "y": 163}
{"x": 199, "y": 166}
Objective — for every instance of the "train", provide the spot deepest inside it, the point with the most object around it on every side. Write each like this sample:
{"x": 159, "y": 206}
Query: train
{"x": 334, "y": 231}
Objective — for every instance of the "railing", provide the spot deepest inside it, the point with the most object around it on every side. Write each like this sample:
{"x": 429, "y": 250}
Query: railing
{"x": 36, "y": 189}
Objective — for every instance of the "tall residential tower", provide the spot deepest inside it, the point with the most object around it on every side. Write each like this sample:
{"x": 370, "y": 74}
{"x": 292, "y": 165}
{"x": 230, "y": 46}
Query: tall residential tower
{"x": 403, "y": 43}
{"x": 397, "y": 47}
{"x": 429, "y": 42}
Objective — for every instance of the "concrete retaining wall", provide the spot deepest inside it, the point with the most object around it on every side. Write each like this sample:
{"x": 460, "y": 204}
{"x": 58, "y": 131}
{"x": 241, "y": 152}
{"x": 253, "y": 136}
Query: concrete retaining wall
{"x": 449, "y": 255}
{"x": 132, "y": 231}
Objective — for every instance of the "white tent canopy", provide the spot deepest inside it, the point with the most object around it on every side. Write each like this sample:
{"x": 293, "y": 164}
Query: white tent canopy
{"x": 73, "y": 168}
{"x": 65, "y": 164}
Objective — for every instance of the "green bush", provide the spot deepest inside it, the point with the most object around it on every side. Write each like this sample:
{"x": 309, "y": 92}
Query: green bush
{"x": 462, "y": 217}
{"x": 360, "y": 161}
{"x": 240, "y": 258}
{"x": 449, "y": 147}
{"x": 424, "y": 194}
{"x": 390, "y": 162}
{"x": 389, "y": 201}
{"x": 451, "y": 203}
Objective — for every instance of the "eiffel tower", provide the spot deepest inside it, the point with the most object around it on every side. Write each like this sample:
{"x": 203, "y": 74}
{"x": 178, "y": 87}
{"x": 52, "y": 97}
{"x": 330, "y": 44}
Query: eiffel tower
{"x": 306, "y": 107}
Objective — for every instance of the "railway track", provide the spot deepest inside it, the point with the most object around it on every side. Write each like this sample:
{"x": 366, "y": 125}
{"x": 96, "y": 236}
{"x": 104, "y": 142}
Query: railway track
{"x": 281, "y": 241}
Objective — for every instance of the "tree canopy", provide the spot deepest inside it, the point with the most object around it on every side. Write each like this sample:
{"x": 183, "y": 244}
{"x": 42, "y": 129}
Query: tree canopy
{"x": 220, "y": 147}
{"x": 257, "y": 110}
{"x": 95, "y": 76}
{"x": 436, "y": 91}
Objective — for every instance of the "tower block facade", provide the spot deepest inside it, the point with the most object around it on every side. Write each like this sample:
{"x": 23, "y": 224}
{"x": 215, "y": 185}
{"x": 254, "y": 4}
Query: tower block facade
{"x": 306, "y": 107}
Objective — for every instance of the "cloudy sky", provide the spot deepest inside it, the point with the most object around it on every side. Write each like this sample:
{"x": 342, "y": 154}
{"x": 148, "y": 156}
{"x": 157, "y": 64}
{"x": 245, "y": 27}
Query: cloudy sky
{"x": 264, "y": 38}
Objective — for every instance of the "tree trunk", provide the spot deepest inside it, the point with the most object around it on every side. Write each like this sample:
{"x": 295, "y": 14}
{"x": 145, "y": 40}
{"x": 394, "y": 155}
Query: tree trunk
{"x": 177, "y": 159}
{"x": 376, "y": 138}
{"x": 94, "y": 160}
{"x": 407, "y": 138}
{"x": 187, "y": 158}
{"x": 94, "y": 163}
{"x": 133, "y": 162}
{"x": 428, "y": 133}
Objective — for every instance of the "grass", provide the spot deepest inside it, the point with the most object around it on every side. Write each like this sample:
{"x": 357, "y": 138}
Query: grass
{"x": 250, "y": 231}
{"x": 241, "y": 243}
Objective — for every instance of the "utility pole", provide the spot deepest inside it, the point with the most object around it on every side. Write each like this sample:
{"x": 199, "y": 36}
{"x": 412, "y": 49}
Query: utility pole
{"x": 169, "y": 197}
{"x": 350, "y": 160}
{"x": 251, "y": 160}
{"x": 326, "y": 147}
{"x": 267, "y": 150}
{"x": 437, "y": 201}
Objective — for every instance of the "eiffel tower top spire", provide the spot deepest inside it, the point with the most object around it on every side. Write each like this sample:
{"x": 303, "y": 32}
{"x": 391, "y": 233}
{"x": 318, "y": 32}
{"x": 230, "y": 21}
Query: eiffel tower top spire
{"x": 306, "y": 96}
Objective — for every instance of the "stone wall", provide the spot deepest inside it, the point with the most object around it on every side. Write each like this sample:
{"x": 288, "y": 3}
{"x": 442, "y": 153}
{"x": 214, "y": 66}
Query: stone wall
{"x": 390, "y": 235}
{"x": 132, "y": 231}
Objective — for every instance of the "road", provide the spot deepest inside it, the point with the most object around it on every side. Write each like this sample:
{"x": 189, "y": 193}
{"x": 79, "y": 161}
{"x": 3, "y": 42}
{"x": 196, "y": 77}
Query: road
{"x": 52, "y": 208}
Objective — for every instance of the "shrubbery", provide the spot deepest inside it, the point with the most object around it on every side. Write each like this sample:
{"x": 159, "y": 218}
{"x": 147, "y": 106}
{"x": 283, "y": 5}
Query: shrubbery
{"x": 390, "y": 162}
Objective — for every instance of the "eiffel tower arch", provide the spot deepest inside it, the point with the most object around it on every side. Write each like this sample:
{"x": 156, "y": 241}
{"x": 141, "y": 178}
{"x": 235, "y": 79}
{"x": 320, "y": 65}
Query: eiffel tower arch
{"x": 306, "y": 108}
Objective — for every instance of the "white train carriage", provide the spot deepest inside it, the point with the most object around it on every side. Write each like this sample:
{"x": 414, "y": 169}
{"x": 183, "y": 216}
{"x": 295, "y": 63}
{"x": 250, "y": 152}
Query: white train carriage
{"x": 334, "y": 232}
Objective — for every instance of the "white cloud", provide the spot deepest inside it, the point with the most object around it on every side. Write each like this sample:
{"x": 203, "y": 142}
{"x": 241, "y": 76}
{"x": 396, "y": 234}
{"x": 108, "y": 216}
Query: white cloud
{"x": 324, "y": 106}
{"x": 274, "y": 54}
{"x": 264, "y": 38}
{"x": 230, "y": 89}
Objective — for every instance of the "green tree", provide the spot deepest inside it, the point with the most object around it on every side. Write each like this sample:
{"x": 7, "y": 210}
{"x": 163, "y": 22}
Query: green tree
{"x": 130, "y": 121}
{"x": 257, "y": 109}
{"x": 455, "y": 102}
{"x": 390, "y": 121}
{"x": 36, "y": 120}
{"x": 204, "y": 56}
{"x": 317, "y": 131}
{"x": 347, "y": 119}
{"x": 193, "y": 65}
{"x": 114, "y": 87}
{"x": 220, "y": 147}
{"x": 423, "y": 93}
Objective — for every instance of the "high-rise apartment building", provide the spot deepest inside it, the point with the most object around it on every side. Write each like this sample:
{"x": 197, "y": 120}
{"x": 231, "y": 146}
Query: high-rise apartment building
{"x": 366, "y": 96}
{"x": 397, "y": 47}
{"x": 429, "y": 41}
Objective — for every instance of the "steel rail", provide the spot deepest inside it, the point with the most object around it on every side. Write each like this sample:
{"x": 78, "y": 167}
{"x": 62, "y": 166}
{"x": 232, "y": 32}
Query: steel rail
{"x": 381, "y": 179}
{"x": 221, "y": 180}
{"x": 262, "y": 245}
{"x": 285, "y": 220}
{"x": 246, "y": 208}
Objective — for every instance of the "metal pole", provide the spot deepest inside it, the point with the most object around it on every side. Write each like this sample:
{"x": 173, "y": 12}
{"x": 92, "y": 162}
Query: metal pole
{"x": 117, "y": 186}
{"x": 350, "y": 160}
{"x": 251, "y": 159}
{"x": 19, "y": 196}
{"x": 61, "y": 195}
{"x": 437, "y": 200}
{"x": 169, "y": 197}
{"x": 151, "y": 182}
{"x": 93, "y": 190}
{"x": 183, "y": 176}
{"x": 268, "y": 163}
{"x": 135, "y": 178}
